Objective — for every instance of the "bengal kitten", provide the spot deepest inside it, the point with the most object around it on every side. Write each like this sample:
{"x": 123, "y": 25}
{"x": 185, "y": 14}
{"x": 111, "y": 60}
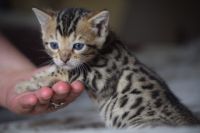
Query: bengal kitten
{"x": 84, "y": 48}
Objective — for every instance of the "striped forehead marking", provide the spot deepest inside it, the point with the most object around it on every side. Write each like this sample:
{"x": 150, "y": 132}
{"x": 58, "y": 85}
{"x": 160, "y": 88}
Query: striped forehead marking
{"x": 67, "y": 20}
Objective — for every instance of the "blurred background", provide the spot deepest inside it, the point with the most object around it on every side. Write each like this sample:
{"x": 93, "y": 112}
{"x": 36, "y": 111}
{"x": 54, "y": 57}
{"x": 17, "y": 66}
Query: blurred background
{"x": 138, "y": 22}
{"x": 164, "y": 34}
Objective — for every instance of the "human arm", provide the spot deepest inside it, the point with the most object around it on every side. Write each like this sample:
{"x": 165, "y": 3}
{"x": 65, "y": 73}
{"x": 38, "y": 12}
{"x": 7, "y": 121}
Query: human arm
{"x": 14, "y": 68}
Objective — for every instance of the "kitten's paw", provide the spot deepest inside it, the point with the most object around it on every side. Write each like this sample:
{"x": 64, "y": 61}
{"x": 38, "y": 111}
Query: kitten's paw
{"x": 26, "y": 86}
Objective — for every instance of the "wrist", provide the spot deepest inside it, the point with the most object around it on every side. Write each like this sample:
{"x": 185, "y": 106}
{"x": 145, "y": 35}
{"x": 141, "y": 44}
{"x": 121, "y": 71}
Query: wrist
{"x": 8, "y": 83}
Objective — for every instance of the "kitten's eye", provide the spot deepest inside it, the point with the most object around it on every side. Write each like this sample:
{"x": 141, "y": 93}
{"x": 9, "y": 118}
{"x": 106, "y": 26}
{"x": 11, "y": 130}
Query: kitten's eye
{"x": 78, "y": 46}
{"x": 54, "y": 45}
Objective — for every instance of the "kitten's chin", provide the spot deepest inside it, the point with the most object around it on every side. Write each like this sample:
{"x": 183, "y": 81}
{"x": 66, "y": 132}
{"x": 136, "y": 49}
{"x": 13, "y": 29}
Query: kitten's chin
{"x": 63, "y": 65}
{"x": 68, "y": 67}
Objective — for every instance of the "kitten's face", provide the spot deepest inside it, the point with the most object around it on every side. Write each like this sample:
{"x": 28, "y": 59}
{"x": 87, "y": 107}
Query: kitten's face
{"x": 73, "y": 36}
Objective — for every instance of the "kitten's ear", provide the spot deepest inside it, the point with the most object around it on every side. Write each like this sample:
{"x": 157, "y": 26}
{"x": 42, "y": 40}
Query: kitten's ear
{"x": 100, "y": 22}
{"x": 42, "y": 17}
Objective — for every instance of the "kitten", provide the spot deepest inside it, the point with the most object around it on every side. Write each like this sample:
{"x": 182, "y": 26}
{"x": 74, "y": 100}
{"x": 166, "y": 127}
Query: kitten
{"x": 84, "y": 48}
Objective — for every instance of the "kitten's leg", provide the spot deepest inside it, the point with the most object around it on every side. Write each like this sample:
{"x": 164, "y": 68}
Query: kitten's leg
{"x": 44, "y": 78}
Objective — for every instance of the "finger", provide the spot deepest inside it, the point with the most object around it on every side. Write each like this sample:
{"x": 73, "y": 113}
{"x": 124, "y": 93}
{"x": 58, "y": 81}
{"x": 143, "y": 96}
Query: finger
{"x": 44, "y": 95}
{"x": 40, "y": 108}
{"x": 77, "y": 88}
{"x": 26, "y": 103}
{"x": 61, "y": 91}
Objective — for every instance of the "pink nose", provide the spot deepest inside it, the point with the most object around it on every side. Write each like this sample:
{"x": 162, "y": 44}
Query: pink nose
{"x": 65, "y": 60}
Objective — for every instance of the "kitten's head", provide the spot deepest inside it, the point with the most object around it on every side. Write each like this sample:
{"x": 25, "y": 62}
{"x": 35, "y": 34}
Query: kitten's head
{"x": 73, "y": 36}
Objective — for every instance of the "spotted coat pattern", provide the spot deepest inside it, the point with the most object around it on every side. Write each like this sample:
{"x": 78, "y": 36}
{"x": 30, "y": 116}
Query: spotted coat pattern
{"x": 127, "y": 92}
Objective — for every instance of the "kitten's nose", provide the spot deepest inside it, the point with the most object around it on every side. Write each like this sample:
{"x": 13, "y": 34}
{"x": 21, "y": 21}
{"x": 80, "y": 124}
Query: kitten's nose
{"x": 65, "y": 59}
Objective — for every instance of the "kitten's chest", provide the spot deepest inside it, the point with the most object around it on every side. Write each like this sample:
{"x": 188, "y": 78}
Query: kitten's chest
{"x": 105, "y": 75}
{"x": 99, "y": 80}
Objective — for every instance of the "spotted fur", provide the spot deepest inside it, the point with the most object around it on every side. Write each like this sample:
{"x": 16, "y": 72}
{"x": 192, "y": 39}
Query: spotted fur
{"x": 127, "y": 92}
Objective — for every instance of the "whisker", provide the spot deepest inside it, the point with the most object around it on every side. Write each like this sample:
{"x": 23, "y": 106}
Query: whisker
{"x": 81, "y": 69}
{"x": 85, "y": 70}
{"x": 85, "y": 67}
{"x": 48, "y": 62}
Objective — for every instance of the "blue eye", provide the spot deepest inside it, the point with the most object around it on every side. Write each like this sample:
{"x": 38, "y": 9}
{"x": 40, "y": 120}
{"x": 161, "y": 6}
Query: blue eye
{"x": 54, "y": 45}
{"x": 78, "y": 46}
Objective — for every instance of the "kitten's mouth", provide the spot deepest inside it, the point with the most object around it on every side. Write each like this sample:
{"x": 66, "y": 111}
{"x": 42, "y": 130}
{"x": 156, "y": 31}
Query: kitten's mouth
{"x": 69, "y": 66}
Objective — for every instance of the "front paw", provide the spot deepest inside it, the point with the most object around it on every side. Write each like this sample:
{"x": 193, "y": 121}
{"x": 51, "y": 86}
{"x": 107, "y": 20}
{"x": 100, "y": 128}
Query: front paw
{"x": 25, "y": 86}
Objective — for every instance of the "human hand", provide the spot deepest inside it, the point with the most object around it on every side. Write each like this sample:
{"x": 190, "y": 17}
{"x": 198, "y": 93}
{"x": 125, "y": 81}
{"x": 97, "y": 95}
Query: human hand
{"x": 39, "y": 101}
